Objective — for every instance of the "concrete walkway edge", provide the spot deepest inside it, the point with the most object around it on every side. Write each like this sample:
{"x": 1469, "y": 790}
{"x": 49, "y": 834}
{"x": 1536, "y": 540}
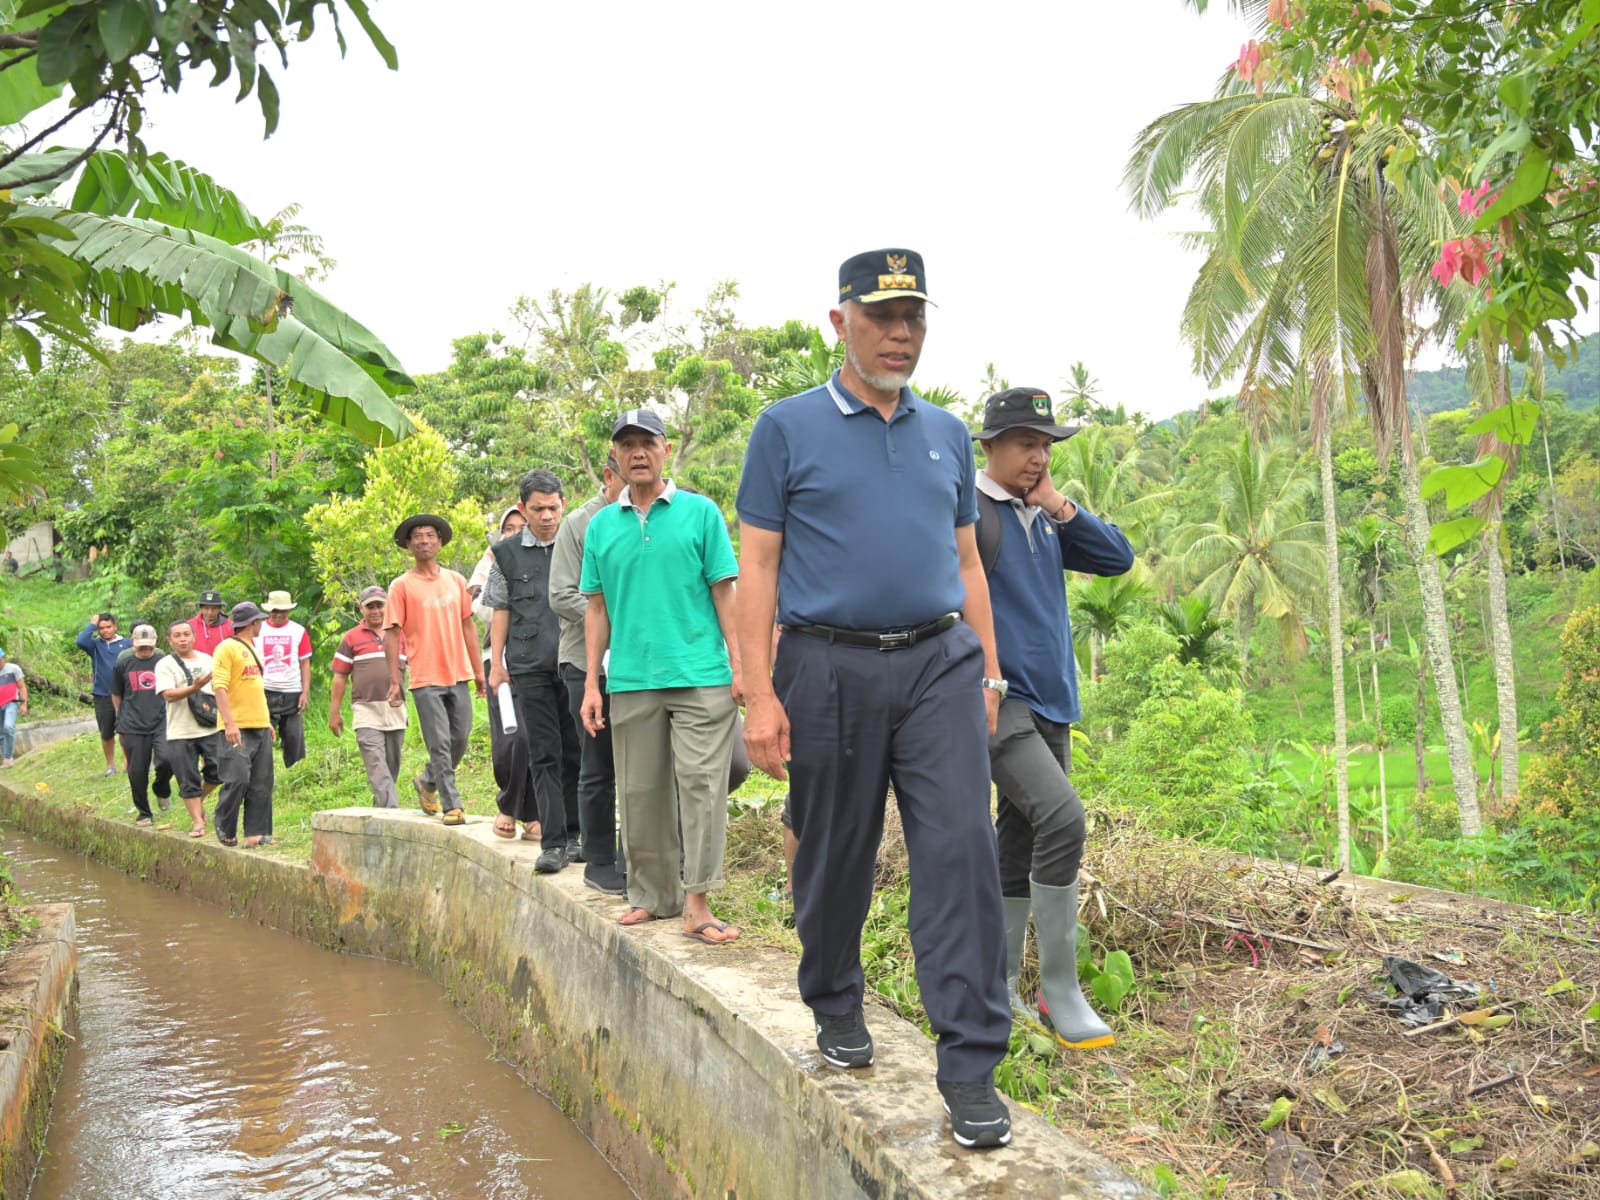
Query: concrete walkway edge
{"x": 39, "y": 986}
{"x": 692, "y": 1068}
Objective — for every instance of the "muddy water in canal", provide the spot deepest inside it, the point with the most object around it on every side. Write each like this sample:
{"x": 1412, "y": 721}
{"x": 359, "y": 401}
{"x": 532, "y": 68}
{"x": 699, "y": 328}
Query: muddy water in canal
{"x": 217, "y": 1059}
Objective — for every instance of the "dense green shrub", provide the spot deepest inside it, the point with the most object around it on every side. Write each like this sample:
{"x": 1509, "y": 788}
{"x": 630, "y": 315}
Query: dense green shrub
{"x": 1399, "y": 718}
{"x": 1548, "y": 861}
{"x": 1112, "y": 702}
{"x": 1184, "y": 757}
{"x": 1564, "y": 780}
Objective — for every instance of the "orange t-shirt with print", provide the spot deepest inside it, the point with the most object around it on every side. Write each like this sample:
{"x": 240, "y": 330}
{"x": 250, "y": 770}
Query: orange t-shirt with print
{"x": 429, "y": 613}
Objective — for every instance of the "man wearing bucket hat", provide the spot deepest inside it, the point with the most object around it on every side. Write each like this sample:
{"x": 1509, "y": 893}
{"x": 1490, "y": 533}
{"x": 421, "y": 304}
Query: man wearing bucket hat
{"x": 246, "y": 767}
{"x": 285, "y": 650}
{"x": 856, "y": 510}
{"x": 430, "y": 609}
{"x": 380, "y": 728}
{"x": 209, "y": 625}
{"x": 1029, "y": 533}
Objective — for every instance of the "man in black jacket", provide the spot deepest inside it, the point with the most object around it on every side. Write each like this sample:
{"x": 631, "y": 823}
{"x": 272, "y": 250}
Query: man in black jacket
{"x": 524, "y": 640}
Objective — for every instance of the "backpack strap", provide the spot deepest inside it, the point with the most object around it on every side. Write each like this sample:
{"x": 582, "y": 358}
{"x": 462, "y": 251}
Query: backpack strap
{"x": 989, "y": 532}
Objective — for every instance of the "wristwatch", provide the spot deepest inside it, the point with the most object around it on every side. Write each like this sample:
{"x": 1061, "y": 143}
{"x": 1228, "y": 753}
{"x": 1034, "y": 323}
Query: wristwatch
{"x": 998, "y": 685}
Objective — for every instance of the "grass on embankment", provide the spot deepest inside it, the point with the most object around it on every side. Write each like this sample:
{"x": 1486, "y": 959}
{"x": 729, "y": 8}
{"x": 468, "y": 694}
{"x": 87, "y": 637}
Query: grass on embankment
{"x": 330, "y": 776}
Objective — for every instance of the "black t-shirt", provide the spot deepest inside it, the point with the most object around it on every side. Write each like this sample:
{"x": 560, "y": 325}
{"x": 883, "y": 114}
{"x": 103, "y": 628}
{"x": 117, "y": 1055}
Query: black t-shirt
{"x": 143, "y": 710}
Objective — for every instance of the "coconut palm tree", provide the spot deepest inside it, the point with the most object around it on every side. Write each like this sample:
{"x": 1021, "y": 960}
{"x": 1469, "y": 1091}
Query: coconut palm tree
{"x": 1101, "y": 608}
{"x": 1259, "y": 557}
{"x": 1080, "y": 392}
{"x": 1202, "y": 637}
{"x": 1488, "y": 378}
{"x": 1119, "y": 481}
{"x": 1367, "y": 544}
{"x": 1317, "y": 268}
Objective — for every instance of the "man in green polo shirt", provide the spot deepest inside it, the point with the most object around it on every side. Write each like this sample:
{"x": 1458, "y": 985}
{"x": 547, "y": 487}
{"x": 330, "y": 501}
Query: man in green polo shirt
{"x": 658, "y": 571}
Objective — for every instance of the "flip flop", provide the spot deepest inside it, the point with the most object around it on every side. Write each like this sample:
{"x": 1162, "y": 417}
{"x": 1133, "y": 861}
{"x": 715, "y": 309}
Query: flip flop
{"x": 198, "y": 831}
{"x": 144, "y": 822}
{"x": 227, "y": 841}
{"x": 623, "y": 919}
{"x": 698, "y": 933}
{"x": 505, "y": 831}
{"x": 164, "y": 803}
{"x": 532, "y": 833}
{"x": 256, "y": 845}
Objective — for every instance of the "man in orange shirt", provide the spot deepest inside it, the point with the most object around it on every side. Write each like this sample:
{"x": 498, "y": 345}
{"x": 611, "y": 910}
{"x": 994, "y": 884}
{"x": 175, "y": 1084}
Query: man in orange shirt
{"x": 431, "y": 610}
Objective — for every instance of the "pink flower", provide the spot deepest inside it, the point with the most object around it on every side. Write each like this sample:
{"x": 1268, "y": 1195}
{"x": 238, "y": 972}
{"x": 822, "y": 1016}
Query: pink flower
{"x": 1475, "y": 200}
{"x": 1449, "y": 264}
{"x": 1249, "y": 62}
{"x": 1467, "y": 257}
{"x": 1278, "y": 13}
{"x": 1249, "y": 65}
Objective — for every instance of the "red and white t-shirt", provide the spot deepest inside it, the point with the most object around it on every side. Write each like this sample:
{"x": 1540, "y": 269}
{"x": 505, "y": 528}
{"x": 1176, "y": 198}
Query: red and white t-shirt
{"x": 282, "y": 649}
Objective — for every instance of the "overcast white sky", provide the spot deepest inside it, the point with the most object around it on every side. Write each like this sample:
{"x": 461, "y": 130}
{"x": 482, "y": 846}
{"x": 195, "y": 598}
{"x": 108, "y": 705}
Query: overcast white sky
{"x": 522, "y": 147}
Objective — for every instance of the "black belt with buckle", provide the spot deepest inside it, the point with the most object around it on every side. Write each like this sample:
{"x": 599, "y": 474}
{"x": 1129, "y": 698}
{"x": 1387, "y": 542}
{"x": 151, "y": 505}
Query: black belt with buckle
{"x": 894, "y": 639}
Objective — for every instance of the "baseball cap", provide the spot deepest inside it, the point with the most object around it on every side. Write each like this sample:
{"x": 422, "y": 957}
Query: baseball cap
{"x": 878, "y": 275}
{"x": 210, "y": 597}
{"x": 144, "y": 635}
{"x": 639, "y": 418}
{"x": 369, "y": 594}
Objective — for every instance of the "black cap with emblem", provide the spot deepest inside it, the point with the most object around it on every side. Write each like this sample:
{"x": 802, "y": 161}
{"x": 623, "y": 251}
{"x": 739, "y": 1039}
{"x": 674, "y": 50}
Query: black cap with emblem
{"x": 882, "y": 275}
{"x": 1021, "y": 408}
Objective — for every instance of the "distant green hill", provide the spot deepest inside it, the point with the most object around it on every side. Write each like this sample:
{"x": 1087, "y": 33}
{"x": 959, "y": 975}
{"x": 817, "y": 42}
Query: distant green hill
{"x": 1446, "y": 388}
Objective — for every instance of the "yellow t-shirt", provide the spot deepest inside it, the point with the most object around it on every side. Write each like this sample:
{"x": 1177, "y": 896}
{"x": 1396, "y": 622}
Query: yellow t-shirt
{"x": 236, "y": 669}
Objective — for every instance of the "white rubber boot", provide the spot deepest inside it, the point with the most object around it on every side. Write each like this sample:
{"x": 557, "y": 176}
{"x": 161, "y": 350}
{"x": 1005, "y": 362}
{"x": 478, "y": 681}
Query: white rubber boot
{"x": 1062, "y": 1007}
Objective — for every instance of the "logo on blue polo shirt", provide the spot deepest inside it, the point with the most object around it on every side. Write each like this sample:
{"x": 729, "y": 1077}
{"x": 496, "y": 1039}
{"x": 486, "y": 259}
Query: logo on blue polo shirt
{"x": 933, "y": 454}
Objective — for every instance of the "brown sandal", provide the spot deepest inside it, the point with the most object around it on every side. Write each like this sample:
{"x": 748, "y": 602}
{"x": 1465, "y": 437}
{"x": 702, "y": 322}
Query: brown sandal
{"x": 531, "y": 832}
{"x": 508, "y": 830}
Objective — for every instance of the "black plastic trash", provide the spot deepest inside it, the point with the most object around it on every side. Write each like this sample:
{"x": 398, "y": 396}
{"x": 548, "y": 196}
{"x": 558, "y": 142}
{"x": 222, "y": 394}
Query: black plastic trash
{"x": 1424, "y": 992}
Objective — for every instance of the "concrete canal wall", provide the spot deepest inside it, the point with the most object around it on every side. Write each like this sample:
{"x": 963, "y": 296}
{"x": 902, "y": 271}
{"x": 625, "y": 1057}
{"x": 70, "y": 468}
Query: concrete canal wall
{"x": 38, "y": 982}
{"x": 33, "y": 734}
{"x": 694, "y": 1069}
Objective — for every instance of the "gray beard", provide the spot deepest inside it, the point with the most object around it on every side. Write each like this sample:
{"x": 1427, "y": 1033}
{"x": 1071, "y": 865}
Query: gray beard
{"x": 883, "y": 383}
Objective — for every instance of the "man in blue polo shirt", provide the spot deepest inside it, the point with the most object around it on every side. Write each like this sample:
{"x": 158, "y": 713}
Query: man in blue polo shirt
{"x": 1037, "y": 534}
{"x": 856, "y": 511}
{"x": 659, "y": 572}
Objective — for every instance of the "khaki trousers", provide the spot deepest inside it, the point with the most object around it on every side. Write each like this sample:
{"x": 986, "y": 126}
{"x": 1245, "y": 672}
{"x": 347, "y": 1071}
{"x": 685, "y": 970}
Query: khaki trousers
{"x": 672, "y": 747}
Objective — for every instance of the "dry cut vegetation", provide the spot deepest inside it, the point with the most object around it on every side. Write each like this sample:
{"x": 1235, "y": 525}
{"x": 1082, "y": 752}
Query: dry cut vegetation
{"x": 1256, "y": 1056}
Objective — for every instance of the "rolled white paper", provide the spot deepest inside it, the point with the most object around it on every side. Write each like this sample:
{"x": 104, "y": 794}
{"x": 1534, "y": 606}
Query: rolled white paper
{"x": 508, "y": 708}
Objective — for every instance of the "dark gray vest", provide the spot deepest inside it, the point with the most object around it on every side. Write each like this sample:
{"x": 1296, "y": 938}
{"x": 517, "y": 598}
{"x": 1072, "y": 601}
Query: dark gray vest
{"x": 535, "y": 635}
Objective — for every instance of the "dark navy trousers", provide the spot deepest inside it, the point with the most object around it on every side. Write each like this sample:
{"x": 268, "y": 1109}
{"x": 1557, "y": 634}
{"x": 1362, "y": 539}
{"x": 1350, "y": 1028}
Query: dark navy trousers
{"x": 860, "y": 720}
